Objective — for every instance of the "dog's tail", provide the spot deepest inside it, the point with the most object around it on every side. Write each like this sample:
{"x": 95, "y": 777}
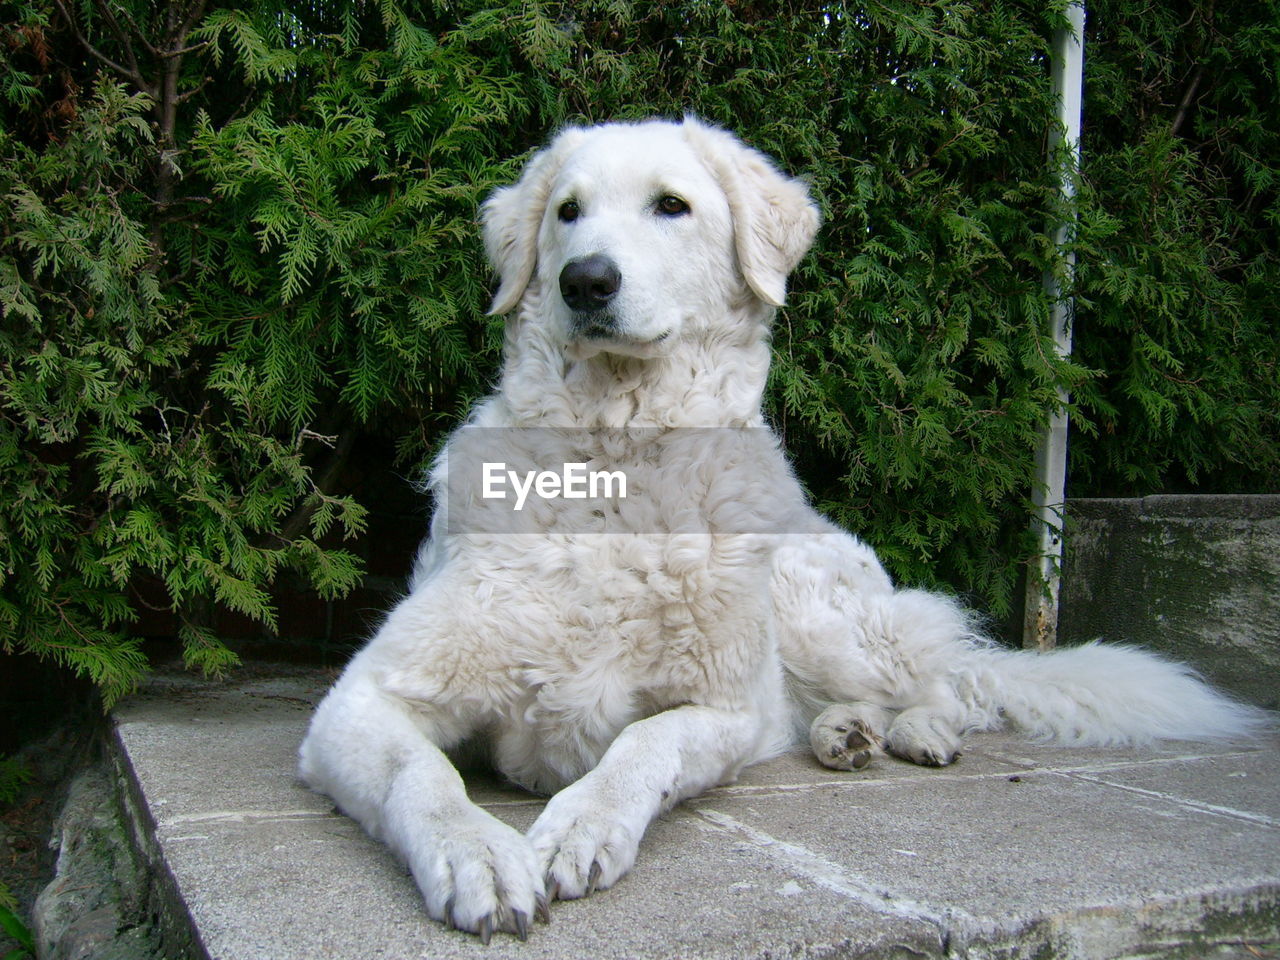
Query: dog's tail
{"x": 1099, "y": 695}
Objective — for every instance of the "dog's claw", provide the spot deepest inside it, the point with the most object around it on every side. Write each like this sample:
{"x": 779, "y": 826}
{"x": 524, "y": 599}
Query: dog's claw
{"x": 448, "y": 915}
{"x": 593, "y": 877}
{"x": 542, "y": 909}
{"x": 486, "y": 929}
{"x": 522, "y": 924}
{"x": 553, "y": 888}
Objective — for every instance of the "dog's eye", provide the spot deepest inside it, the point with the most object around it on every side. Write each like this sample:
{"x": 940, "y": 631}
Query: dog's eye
{"x": 672, "y": 206}
{"x": 569, "y": 211}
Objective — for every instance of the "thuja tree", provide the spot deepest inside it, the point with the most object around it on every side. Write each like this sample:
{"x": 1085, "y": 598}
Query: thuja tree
{"x": 1180, "y": 249}
{"x": 232, "y": 239}
{"x": 238, "y": 239}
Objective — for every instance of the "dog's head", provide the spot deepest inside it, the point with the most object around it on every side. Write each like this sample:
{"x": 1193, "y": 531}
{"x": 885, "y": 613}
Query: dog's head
{"x": 635, "y": 231}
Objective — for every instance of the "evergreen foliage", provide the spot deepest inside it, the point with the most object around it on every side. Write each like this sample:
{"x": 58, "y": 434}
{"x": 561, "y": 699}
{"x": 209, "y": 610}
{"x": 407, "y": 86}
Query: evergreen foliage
{"x": 236, "y": 239}
{"x": 14, "y": 775}
{"x": 1179, "y": 256}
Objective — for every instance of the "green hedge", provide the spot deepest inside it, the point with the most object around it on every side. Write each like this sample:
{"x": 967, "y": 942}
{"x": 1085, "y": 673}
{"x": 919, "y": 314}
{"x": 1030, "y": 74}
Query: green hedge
{"x": 236, "y": 243}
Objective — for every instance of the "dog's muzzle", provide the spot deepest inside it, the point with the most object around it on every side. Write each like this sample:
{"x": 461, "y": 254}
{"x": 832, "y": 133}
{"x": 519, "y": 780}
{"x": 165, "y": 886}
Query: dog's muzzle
{"x": 588, "y": 285}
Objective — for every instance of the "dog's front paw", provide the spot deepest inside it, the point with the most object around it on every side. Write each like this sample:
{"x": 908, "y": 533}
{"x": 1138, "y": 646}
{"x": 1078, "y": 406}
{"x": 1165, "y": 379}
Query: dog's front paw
{"x": 582, "y": 843}
{"x": 480, "y": 875}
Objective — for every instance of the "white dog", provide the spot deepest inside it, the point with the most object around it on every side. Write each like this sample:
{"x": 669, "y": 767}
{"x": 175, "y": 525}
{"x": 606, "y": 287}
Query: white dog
{"x": 626, "y": 652}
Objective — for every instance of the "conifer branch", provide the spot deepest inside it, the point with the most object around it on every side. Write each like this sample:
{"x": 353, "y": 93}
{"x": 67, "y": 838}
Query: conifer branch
{"x": 130, "y": 74}
{"x": 1188, "y": 97}
{"x": 322, "y": 485}
{"x": 193, "y": 15}
{"x": 104, "y": 7}
{"x": 137, "y": 28}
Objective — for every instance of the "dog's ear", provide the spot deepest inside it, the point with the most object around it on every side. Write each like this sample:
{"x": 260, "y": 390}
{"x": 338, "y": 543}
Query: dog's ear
{"x": 774, "y": 221}
{"x": 512, "y": 215}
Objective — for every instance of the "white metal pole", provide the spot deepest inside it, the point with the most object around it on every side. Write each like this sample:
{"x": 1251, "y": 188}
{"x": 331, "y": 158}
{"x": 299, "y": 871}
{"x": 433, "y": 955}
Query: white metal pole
{"x": 1040, "y": 624}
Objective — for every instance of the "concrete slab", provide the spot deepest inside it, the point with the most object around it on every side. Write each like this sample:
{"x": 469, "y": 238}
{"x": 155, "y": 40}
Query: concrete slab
{"x": 1017, "y": 851}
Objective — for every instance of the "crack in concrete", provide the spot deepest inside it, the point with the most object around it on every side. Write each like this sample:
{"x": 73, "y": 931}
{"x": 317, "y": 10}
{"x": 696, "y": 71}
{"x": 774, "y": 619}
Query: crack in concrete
{"x": 832, "y": 876}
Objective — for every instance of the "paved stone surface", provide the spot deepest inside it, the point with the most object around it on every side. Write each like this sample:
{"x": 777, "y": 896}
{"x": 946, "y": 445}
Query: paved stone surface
{"x": 1020, "y": 850}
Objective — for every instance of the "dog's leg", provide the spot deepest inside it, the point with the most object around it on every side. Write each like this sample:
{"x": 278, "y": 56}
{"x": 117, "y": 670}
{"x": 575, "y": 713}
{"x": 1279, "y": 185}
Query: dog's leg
{"x": 847, "y": 635}
{"x": 588, "y": 835}
{"x": 376, "y": 755}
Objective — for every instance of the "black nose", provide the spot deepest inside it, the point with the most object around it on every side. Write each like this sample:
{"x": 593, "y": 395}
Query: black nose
{"x": 589, "y": 283}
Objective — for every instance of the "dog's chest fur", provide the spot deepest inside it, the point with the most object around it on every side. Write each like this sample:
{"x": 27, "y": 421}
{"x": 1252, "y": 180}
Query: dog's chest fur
{"x": 627, "y": 607}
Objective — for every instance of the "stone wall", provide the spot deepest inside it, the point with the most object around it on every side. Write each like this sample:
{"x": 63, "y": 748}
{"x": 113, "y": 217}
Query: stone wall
{"x": 1195, "y": 577}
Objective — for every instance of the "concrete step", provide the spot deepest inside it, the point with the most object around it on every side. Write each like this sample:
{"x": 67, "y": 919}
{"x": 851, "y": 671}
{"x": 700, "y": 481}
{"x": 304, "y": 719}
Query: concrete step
{"x": 1019, "y": 850}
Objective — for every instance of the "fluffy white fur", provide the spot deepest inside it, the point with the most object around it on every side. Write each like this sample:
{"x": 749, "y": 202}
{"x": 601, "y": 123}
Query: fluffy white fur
{"x": 625, "y": 673}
